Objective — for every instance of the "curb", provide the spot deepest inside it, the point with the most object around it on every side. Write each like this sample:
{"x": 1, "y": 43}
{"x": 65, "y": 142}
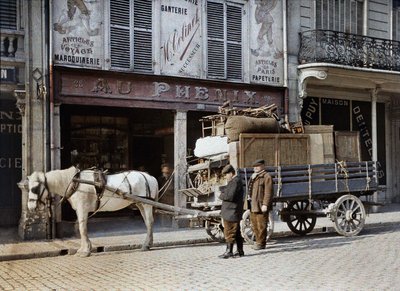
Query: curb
{"x": 129, "y": 247}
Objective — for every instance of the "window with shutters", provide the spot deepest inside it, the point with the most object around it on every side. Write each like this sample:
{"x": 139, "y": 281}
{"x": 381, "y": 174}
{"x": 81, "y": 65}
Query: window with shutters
{"x": 224, "y": 40}
{"x": 131, "y": 44}
{"x": 340, "y": 15}
{"x": 396, "y": 20}
{"x": 8, "y": 14}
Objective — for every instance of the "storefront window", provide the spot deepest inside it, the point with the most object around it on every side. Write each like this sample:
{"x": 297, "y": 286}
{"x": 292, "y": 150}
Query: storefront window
{"x": 348, "y": 115}
{"x": 99, "y": 141}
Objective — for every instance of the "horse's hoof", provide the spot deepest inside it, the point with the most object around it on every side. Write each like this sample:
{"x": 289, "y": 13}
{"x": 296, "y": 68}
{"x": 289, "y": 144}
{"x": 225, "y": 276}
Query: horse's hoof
{"x": 145, "y": 248}
{"x": 83, "y": 254}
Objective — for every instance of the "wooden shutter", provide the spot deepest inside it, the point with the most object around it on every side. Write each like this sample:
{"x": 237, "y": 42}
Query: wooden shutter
{"x": 120, "y": 34}
{"x": 234, "y": 42}
{"x": 143, "y": 46}
{"x": 8, "y": 14}
{"x": 216, "y": 40}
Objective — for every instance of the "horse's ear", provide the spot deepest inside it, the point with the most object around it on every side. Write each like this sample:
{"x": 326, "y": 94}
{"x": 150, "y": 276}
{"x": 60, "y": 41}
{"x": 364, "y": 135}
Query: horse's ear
{"x": 41, "y": 177}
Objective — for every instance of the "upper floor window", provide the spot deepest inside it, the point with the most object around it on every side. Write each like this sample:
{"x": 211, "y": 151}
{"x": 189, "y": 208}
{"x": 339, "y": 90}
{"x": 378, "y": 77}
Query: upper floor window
{"x": 131, "y": 45}
{"x": 340, "y": 15}
{"x": 8, "y": 14}
{"x": 224, "y": 40}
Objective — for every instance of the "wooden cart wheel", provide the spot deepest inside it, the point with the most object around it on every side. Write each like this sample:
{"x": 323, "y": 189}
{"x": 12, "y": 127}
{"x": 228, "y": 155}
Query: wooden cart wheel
{"x": 215, "y": 229}
{"x": 349, "y": 215}
{"x": 300, "y": 224}
{"x": 246, "y": 228}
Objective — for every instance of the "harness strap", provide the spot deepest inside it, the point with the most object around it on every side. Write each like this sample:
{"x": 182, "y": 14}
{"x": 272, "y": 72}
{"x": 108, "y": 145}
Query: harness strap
{"x": 71, "y": 188}
{"x": 100, "y": 182}
{"x": 148, "y": 194}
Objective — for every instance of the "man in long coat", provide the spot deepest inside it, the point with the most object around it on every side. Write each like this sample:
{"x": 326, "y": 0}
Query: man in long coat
{"x": 261, "y": 192}
{"x": 231, "y": 212}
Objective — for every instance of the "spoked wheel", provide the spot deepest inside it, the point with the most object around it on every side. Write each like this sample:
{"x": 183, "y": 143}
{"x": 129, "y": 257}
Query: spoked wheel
{"x": 300, "y": 224}
{"x": 349, "y": 215}
{"x": 246, "y": 228}
{"x": 215, "y": 229}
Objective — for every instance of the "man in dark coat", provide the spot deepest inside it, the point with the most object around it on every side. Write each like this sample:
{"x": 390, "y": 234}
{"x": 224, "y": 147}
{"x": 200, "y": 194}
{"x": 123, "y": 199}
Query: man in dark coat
{"x": 231, "y": 212}
{"x": 261, "y": 192}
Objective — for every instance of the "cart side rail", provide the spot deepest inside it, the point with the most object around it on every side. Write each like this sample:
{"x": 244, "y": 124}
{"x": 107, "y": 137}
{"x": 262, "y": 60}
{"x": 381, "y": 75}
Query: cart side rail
{"x": 296, "y": 181}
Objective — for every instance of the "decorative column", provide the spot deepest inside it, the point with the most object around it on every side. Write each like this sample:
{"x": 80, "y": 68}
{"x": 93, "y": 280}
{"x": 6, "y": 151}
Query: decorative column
{"x": 180, "y": 148}
{"x": 33, "y": 106}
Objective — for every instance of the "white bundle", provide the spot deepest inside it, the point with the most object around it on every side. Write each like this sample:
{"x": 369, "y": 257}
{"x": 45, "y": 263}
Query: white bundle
{"x": 211, "y": 145}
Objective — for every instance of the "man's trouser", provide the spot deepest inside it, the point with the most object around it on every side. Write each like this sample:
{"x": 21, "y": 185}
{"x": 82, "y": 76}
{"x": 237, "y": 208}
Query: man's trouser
{"x": 259, "y": 221}
{"x": 232, "y": 231}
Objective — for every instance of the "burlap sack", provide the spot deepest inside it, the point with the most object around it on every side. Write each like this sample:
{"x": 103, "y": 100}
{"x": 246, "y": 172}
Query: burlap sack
{"x": 236, "y": 125}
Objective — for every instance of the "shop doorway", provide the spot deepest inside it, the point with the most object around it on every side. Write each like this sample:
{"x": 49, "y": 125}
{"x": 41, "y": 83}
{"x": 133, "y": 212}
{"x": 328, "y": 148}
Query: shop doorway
{"x": 115, "y": 139}
{"x": 147, "y": 154}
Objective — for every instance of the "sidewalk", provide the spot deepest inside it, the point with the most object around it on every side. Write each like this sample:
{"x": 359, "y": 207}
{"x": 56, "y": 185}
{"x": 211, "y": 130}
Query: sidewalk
{"x": 124, "y": 235}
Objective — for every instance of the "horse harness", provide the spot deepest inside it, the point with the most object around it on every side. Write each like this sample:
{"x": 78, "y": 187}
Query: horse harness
{"x": 100, "y": 185}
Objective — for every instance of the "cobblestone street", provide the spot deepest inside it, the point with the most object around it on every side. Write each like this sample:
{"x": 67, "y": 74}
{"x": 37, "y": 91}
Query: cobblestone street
{"x": 370, "y": 261}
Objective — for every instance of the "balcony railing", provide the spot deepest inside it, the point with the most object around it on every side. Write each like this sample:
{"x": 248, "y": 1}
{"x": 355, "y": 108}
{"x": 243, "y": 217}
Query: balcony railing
{"x": 335, "y": 47}
{"x": 12, "y": 45}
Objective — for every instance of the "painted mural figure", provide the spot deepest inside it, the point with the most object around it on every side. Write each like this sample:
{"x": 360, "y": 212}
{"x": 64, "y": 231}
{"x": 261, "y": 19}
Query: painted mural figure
{"x": 264, "y": 17}
{"x": 68, "y": 15}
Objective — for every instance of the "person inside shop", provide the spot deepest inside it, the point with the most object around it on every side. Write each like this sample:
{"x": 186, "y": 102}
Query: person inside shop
{"x": 260, "y": 192}
{"x": 166, "y": 185}
{"x": 231, "y": 212}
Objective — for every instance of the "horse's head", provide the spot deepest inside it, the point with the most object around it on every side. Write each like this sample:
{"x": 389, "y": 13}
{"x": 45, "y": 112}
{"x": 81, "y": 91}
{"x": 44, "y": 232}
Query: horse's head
{"x": 37, "y": 190}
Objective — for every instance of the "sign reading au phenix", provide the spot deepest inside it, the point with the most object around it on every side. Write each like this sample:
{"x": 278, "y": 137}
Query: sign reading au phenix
{"x": 77, "y": 33}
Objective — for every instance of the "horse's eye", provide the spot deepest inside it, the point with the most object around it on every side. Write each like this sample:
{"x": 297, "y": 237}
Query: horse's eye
{"x": 35, "y": 189}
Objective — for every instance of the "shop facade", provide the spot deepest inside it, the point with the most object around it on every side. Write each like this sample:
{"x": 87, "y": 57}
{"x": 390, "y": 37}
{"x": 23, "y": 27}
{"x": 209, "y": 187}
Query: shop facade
{"x": 130, "y": 121}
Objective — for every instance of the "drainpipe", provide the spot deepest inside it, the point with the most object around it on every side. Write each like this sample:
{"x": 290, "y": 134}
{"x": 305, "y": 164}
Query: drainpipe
{"x": 50, "y": 109}
{"x": 285, "y": 64}
{"x": 374, "y": 93}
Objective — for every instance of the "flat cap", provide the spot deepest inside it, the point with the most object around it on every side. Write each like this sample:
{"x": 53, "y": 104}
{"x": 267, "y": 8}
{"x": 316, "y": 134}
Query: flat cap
{"x": 258, "y": 163}
{"x": 228, "y": 169}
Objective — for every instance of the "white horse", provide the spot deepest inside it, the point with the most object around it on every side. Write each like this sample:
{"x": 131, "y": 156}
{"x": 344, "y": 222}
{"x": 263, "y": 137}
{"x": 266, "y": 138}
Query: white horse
{"x": 84, "y": 198}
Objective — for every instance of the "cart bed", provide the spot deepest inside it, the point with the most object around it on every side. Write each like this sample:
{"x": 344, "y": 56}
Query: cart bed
{"x": 320, "y": 181}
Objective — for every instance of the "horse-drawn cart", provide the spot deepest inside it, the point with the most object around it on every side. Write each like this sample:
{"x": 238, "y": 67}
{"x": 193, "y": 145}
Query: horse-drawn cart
{"x": 323, "y": 190}
{"x": 339, "y": 191}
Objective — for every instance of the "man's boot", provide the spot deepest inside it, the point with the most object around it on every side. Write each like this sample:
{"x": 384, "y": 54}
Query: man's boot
{"x": 228, "y": 252}
{"x": 239, "y": 252}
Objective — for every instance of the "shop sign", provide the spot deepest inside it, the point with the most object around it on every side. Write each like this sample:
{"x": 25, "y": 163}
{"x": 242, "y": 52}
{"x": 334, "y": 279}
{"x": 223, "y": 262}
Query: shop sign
{"x": 153, "y": 90}
{"x": 266, "y": 46}
{"x": 77, "y": 33}
{"x": 181, "y": 49}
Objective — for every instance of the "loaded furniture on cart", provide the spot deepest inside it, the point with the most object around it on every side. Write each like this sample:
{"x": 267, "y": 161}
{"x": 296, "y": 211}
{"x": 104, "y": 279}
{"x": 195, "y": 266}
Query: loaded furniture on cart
{"x": 316, "y": 170}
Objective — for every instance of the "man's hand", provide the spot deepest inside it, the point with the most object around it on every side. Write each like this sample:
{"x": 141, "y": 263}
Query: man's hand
{"x": 264, "y": 208}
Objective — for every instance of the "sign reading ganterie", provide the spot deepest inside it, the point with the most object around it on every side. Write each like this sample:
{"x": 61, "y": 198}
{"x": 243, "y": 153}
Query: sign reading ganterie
{"x": 181, "y": 49}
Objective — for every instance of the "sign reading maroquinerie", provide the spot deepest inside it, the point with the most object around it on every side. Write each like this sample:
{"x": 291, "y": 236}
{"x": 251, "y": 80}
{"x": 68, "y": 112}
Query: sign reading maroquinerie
{"x": 77, "y": 37}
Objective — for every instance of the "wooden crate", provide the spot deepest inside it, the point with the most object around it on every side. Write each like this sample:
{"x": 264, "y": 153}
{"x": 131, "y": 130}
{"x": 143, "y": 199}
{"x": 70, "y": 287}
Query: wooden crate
{"x": 275, "y": 149}
{"x": 327, "y": 146}
{"x": 347, "y": 146}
